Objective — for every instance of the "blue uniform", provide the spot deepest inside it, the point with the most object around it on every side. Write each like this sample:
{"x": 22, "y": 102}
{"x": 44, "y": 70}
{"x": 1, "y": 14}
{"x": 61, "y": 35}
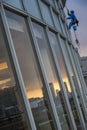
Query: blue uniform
{"x": 73, "y": 20}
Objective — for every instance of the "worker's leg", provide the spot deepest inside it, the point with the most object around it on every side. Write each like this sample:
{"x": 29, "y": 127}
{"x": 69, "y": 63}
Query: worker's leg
{"x": 70, "y": 25}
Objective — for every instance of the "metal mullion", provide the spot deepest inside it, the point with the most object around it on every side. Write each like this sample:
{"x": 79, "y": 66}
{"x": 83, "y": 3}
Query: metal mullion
{"x": 49, "y": 94}
{"x": 77, "y": 83}
{"x": 76, "y": 101}
{"x": 59, "y": 77}
{"x": 17, "y": 69}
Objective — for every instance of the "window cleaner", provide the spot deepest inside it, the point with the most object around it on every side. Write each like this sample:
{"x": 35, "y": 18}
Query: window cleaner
{"x": 74, "y": 22}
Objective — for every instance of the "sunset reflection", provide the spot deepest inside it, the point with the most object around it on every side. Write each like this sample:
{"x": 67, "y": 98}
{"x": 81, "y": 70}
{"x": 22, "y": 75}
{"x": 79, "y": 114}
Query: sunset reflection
{"x": 68, "y": 85}
{"x": 3, "y": 66}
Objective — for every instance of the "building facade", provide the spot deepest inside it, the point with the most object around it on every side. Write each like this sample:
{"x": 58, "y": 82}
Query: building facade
{"x": 41, "y": 83}
{"x": 83, "y": 63}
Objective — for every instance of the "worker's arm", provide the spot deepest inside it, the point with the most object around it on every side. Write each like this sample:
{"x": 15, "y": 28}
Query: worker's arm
{"x": 68, "y": 12}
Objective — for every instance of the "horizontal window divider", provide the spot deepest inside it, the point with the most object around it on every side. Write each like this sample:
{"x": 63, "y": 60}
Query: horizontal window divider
{"x": 15, "y": 10}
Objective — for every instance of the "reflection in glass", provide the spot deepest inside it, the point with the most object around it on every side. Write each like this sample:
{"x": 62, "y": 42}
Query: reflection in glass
{"x": 46, "y": 13}
{"x": 35, "y": 90}
{"x": 52, "y": 3}
{"x": 63, "y": 27}
{"x": 11, "y": 105}
{"x": 57, "y": 22}
{"x": 51, "y": 75}
{"x": 33, "y": 8}
{"x": 59, "y": 57}
{"x": 15, "y": 3}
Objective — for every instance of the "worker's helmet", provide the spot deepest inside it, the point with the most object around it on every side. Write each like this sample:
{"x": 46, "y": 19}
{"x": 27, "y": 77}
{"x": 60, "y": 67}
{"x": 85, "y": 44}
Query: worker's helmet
{"x": 72, "y": 11}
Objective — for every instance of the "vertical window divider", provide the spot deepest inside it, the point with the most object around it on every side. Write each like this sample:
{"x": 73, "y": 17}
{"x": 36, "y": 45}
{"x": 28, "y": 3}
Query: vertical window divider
{"x": 17, "y": 69}
{"x": 59, "y": 77}
{"x": 50, "y": 98}
{"x": 73, "y": 90}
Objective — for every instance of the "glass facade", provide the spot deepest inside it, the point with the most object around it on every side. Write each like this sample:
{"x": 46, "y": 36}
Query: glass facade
{"x": 55, "y": 46}
{"x": 35, "y": 90}
{"x": 15, "y": 3}
{"x": 33, "y": 8}
{"x": 38, "y": 84}
{"x": 57, "y": 22}
{"x": 46, "y": 13}
{"x": 51, "y": 74}
{"x": 11, "y": 105}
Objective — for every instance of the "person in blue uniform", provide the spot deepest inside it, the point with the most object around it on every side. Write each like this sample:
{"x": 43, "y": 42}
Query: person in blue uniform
{"x": 74, "y": 22}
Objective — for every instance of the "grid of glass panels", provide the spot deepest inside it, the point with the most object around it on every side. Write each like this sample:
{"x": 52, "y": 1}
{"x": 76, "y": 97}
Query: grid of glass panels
{"x": 77, "y": 83}
{"x": 35, "y": 90}
{"x": 12, "y": 111}
{"x": 59, "y": 57}
{"x": 66, "y": 56}
{"x": 51, "y": 75}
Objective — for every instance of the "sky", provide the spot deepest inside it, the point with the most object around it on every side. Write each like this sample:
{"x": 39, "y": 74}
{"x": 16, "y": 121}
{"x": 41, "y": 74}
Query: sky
{"x": 80, "y": 8}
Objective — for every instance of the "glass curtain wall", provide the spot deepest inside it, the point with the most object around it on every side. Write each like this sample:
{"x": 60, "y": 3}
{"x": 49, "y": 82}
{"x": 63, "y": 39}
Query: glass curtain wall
{"x": 33, "y": 8}
{"x": 12, "y": 109}
{"x": 60, "y": 60}
{"x": 35, "y": 90}
{"x": 57, "y": 22}
{"x": 15, "y": 3}
{"x": 46, "y": 13}
{"x": 71, "y": 73}
{"x": 51, "y": 75}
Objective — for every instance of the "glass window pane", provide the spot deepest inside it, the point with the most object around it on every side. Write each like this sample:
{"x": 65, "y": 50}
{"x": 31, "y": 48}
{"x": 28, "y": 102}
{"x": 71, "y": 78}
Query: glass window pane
{"x": 57, "y": 22}
{"x": 59, "y": 57}
{"x": 35, "y": 90}
{"x": 66, "y": 57}
{"x": 51, "y": 75}
{"x": 63, "y": 27}
{"x": 52, "y": 3}
{"x": 12, "y": 109}
{"x": 33, "y": 8}
{"x": 46, "y": 13}
{"x": 75, "y": 80}
{"x": 15, "y": 3}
